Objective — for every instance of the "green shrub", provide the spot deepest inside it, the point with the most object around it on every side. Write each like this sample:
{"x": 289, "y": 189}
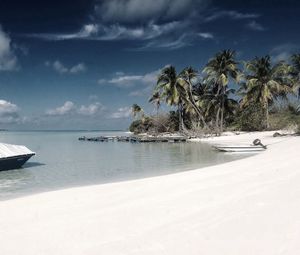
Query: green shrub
{"x": 285, "y": 118}
{"x": 156, "y": 124}
{"x": 141, "y": 126}
{"x": 250, "y": 118}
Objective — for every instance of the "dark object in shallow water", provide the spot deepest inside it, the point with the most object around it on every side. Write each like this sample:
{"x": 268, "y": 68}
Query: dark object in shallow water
{"x": 13, "y": 156}
{"x": 136, "y": 139}
{"x": 94, "y": 139}
{"x": 162, "y": 139}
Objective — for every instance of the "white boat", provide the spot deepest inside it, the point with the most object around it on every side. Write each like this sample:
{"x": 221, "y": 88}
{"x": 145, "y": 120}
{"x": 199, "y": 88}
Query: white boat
{"x": 13, "y": 156}
{"x": 239, "y": 148}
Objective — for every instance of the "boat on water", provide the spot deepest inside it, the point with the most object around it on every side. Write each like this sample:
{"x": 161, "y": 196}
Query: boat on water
{"x": 13, "y": 156}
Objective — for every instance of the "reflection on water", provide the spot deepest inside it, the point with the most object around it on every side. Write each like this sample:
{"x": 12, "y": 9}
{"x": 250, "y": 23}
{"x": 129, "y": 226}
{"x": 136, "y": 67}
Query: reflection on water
{"x": 63, "y": 161}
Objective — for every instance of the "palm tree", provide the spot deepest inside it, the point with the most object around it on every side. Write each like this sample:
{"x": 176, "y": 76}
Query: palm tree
{"x": 136, "y": 110}
{"x": 265, "y": 83}
{"x": 172, "y": 91}
{"x": 219, "y": 71}
{"x": 185, "y": 79}
{"x": 296, "y": 72}
{"x": 155, "y": 99}
{"x": 214, "y": 103}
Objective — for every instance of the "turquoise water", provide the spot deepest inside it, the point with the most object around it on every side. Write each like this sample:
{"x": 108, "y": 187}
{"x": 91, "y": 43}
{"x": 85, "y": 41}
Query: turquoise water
{"x": 62, "y": 161}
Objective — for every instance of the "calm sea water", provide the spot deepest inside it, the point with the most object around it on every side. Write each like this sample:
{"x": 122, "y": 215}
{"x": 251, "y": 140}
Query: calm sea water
{"x": 62, "y": 161}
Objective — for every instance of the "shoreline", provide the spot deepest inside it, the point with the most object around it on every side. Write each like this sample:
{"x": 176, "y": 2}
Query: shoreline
{"x": 247, "y": 206}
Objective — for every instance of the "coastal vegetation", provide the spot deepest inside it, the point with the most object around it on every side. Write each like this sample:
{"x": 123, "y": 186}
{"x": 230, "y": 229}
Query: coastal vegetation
{"x": 227, "y": 94}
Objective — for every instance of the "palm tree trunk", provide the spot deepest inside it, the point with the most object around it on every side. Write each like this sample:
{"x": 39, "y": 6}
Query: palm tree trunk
{"x": 217, "y": 121}
{"x": 267, "y": 115}
{"x": 156, "y": 120}
{"x": 199, "y": 113}
{"x": 218, "y": 112}
{"x": 182, "y": 127}
{"x": 180, "y": 119}
{"x": 222, "y": 115}
{"x": 194, "y": 105}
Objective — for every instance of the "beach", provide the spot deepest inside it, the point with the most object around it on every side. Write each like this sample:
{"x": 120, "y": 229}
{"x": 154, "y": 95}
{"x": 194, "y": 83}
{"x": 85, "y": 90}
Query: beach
{"x": 248, "y": 206}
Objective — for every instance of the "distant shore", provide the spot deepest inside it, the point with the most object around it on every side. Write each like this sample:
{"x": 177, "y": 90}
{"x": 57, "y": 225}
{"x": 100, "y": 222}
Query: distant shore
{"x": 249, "y": 206}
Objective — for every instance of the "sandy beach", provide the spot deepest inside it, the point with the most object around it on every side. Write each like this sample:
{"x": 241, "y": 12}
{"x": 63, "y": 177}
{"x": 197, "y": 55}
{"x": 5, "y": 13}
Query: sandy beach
{"x": 249, "y": 206}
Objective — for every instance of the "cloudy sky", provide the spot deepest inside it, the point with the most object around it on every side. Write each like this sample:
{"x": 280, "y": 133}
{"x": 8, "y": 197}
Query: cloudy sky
{"x": 81, "y": 64}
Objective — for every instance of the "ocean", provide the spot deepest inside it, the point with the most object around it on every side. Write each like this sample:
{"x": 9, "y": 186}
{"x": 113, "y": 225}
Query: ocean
{"x": 62, "y": 161}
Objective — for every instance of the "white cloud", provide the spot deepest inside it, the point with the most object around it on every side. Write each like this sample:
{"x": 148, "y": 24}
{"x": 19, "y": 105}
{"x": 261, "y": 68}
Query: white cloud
{"x": 87, "y": 30}
{"x": 123, "y": 112}
{"x": 120, "y": 73}
{"x": 283, "y": 52}
{"x": 102, "y": 81}
{"x": 253, "y": 25}
{"x": 283, "y": 56}
{"x": 62, "y": 69}
{"x": 206, "y": 35}
{"x": 116, "y": 32}
{"x": 139, "y": 85}
{"x": 155, "y": 25}
{"x": 7, "y": 107}
{"x": 140, "y": 10}
{"x": 137, "y": 93}
{"x": 144, "y": 92}
{"x": 168, "y": 43}
{"x": 152, "y": 36}
{"x": 159, "y": 25}
{"x": 79, "y": 68}
{"x": 9, "y": 113}
{"x": 230, "y": 14}
{"x": 91, "y": 109}
{"x": 67, "y": 108}
{"x": 93, "y": 97}
{"x": 128, "y": 81}
{"x": 8, "y": 60}
{"x": 59, "y": 67}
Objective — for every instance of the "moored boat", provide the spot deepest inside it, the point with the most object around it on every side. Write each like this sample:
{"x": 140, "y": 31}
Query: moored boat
{"x": 255, "y": 147}
{"x": 13, "y": 156}
{"x": 239, "y": 148}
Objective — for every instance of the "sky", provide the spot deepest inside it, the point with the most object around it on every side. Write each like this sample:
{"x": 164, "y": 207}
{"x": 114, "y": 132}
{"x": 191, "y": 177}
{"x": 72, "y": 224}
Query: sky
{"x": 81, "y": 64}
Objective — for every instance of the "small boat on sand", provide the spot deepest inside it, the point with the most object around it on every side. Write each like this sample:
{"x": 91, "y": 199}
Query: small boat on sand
{"x": 239, "y": 148}
{"x": 13, "y": 156}
{"x": 256, "y": 147}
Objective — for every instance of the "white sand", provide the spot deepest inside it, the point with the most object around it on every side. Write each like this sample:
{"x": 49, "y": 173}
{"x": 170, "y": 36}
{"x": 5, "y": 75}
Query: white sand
{"x": 249, "y": 206}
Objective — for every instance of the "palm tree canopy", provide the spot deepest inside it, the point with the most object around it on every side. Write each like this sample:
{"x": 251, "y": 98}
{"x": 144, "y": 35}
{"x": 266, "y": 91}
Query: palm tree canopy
{"x": 135, "y": 110}
{"x": 155, "y": 99}
{"x": 213, "y": 102}
{"x": 295, "y": 72}
{"x": 296, "y": 62}
{"x": 222, "y": 67}
{"x": 187, "y": 75}
{"x": 170, "y": 89}
{"x": 266, "y": 82}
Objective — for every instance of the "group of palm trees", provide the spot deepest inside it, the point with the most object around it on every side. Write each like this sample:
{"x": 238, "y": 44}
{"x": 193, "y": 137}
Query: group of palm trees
{"x": 208, "y": 97}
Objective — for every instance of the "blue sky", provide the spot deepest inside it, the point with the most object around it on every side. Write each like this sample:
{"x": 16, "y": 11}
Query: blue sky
{"x": 81, "y": 64}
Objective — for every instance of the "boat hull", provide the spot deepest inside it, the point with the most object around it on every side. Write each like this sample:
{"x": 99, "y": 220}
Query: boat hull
{"x": 239, "y": 148}
{"x": 14, "y": 162}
